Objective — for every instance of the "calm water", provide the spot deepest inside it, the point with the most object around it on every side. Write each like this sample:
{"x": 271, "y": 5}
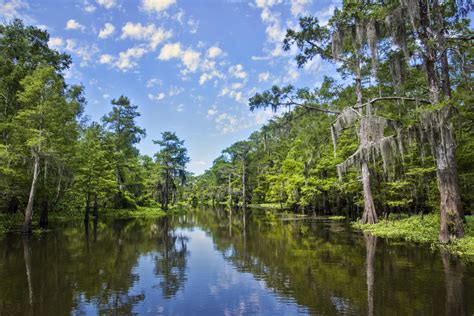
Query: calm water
{"x": 200, "y": 264}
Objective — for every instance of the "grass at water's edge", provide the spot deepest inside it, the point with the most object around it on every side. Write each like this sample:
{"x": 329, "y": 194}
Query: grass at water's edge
{"x": 423, "y": 230}
{"x": 9, "y": 223}
{"x": 336, "y": 218}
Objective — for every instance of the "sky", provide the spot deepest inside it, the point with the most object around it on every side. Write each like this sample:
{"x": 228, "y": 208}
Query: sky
{"x": 189, "y": 65}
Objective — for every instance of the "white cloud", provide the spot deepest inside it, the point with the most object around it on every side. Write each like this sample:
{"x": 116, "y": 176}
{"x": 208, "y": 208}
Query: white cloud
{"x": 127, "y": 59}
{"x": 189, "y": 57}
{"x": 237, "y": 71}
{"x": 170, "y": 51}
{"x": 11, "y": 9}
{"x": 74, "y": 25}
{"x": 158, "y": 97}
{"x": 106, "y": 59}
{"x": 84, "y": 51}
{"x": 298, "y": 7}
{"x": 150, "y": 33}
{"x": 325, "y": 14}
{"x": 266, "y": 3}
{"x": 193, "y": 26}
{"x": 157, "y": 6}
{"x": 264, "y": 76}
{"x": 106, "y": 96}
{"x": 179, "y": 16}
{"x": 212, "y": 111}
{"x": 153, "y": 82}
{"x": 89, "y": 8}
{"x": 174, "y": 90}
{"x": 180, "y": 108}
{"x": 108, "y": 30}
{"x": 313, "y": 65}
{"x": 214, "y": 52}
{"x": 108, "y": 4}
{"x": 55, "y": 42}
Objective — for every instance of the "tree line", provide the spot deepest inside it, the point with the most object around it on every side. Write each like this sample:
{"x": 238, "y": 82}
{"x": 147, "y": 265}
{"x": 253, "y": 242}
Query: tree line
{"x": 394, "y": 135}
{"x": 53, "y": 158}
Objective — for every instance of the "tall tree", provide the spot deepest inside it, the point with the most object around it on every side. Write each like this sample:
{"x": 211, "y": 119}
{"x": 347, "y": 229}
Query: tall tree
{"x": 125, "y": 134}
{"x": 41, "y": 126}
{"x": 171, "y": 159}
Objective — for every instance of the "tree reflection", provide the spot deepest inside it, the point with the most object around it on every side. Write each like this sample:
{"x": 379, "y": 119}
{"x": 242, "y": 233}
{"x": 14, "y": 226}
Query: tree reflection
{"x": 171, "y": 259}
{"x": 69, "y": 271}
{"x": 453, "y": 271}
{"x": 370, "y": 244}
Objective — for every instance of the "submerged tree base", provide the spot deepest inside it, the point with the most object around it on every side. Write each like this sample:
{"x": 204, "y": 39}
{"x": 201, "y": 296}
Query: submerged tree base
{"x": 423, "y": 230}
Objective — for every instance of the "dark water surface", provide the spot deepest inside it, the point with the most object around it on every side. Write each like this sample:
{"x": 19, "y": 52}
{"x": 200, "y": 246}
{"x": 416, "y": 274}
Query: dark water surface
{"x": 200, "y": 264}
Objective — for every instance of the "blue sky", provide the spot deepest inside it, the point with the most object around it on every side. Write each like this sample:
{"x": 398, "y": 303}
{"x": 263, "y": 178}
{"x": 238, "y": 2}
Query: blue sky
{"x": 189, "y": 65}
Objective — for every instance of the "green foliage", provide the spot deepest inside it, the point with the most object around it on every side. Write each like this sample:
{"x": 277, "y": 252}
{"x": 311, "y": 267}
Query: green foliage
{"x": 423, "y": 230}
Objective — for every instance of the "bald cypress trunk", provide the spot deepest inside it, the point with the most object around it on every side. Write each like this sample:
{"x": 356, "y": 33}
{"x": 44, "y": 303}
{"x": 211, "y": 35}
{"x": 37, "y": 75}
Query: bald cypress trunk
{"x": 450, "y": 200}
{"x": 369, "y": 216}
{"x": 27, "y": 224}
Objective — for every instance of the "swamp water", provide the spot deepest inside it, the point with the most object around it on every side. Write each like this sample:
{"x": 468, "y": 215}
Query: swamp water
{"x": 199, "y": 263}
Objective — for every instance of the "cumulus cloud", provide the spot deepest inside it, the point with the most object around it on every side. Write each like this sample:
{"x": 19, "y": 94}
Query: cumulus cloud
{"x": 106, "y": 59}
{"x": 214, "y": 52}
{"x": 127, "y": 59}
{"x": 189, "y": 57}
{"x": 89, "y": 8}
{"x": 84, "y": 51}
{"x": 298, "y": 7}
{"x": 108, "y": 4}
{"x": 74, "y": 25}
{"x": 12, "y": 9}
{"x": 153, "y": 82}
{"x": 170, "y": 51}
{"x": 264, "y": 76}
{"x": 193, "y": 26}
{"x": 107, "y": 30}
{"x": 157, "y": 6}
{"x": 149, "y": 33}
{"x": 237, "y": 71}
{"x": 325, "y": 14}
{"x": 55, "y": 42}
{"x": 156, "y": 97}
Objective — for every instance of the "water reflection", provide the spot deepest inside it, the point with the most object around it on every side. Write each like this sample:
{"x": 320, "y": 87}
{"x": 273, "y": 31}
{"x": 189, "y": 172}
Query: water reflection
{"x": 214, "y": 263}
{"x": 171, "y": 259}
{"x": 370, "y": 244}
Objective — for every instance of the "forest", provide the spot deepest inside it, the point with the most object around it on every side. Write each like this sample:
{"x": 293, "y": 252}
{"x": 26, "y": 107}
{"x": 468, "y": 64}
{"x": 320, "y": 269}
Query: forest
{"x": 54, "y": 159}
{"x": 393, "y": 137}
{"x": 356, "y": 197}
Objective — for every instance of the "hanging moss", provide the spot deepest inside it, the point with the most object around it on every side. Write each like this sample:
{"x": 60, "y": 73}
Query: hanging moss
{"x": 372, "y": 40}
{"x": 336, "y": 43}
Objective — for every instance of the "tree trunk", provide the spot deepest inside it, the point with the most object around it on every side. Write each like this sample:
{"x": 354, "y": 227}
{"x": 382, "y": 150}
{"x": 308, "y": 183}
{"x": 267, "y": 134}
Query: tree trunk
{"x": 450, "y": 200}
{"x": 27, "y": 225}
{"x": 230, "y": 193}
{"x": 244, "y": 195}
{"x": 326, "y": 210}
{"x": 369, "y": 216}
{"x": 88, "y": 202}
{"x": 44, "y": 214}
{"x": 13, "y": 205}
{"x": 96, "y": 208}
